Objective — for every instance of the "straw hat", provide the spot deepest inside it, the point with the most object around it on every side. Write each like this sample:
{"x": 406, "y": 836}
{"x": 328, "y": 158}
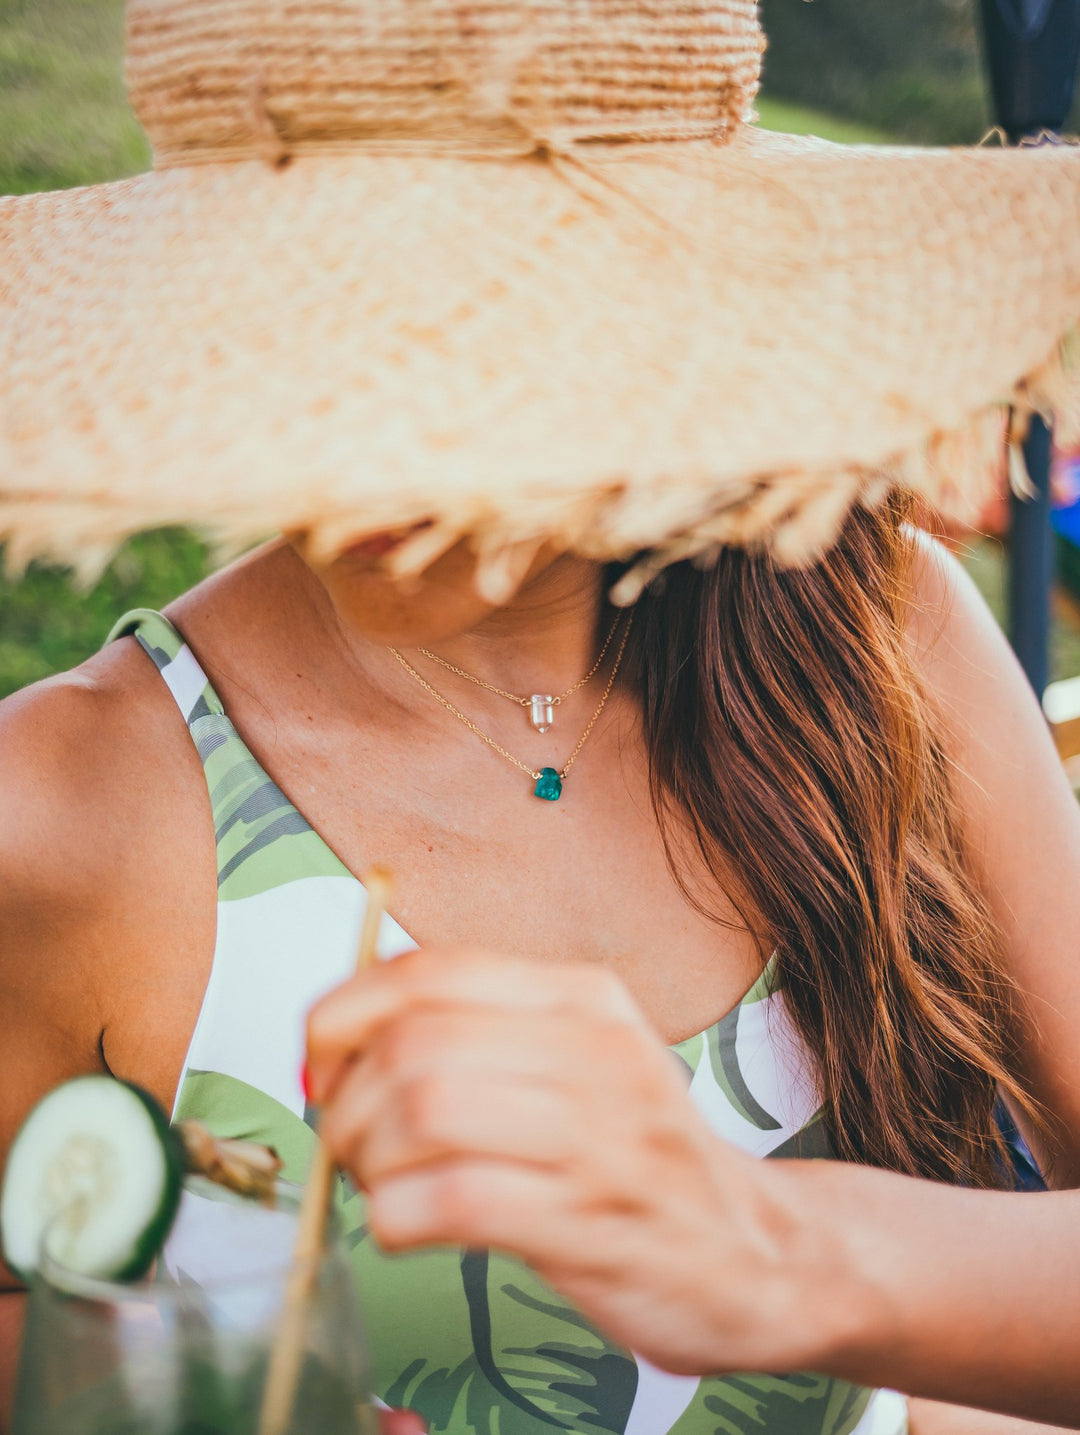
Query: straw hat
{"x": 521, "y": 269}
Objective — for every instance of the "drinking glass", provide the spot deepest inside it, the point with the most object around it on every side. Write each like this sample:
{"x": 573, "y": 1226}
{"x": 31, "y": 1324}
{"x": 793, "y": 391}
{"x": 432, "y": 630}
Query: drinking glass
{"x": 185, "y": 1350}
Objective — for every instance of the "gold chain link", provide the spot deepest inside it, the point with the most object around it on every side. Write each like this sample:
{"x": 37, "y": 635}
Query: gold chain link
{"x": 600, "y": 705}
{"x": 513, "y": 697}
{"x": 483, "y": 736}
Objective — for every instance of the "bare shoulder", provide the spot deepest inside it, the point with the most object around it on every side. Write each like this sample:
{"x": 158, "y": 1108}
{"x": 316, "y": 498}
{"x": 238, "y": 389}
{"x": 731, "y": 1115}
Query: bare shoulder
{"x": 953, "y": 636}
{"x": 104, "y": 794}
{"x": 1021, "y": 819}
{"x": 102, "y": 784}
{"x": 87, "y": 765}
{"x": 1005, "y": 763}
{"x": 992, "y": 718}
{"x": 103, "y": 837}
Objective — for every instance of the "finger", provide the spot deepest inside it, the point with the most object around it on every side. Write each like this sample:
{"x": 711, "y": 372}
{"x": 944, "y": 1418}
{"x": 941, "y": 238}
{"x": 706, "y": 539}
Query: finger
{"x": 446, "y": 1047}
{"x": 433, "y": 1118}
{"x": 473, "y": 1202}
{"x": 526, "y": 1211}
{"x": 342, "y": 1024}
{"x": 461, "y": 1061}
{"x": 555, "y": 1048}
{"x": 401, "y": 1422}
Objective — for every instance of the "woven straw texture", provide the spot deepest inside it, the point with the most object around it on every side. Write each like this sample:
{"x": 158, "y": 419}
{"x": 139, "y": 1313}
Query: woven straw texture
{"x": 332, "y": 71}
{"x": 582, "y": 326}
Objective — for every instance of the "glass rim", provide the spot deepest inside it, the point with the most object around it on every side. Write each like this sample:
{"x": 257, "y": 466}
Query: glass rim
{"x": 65, "y": 1281}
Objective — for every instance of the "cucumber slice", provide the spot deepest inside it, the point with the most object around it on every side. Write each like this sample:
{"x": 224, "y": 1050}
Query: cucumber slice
{"x": 97, "y": 1167}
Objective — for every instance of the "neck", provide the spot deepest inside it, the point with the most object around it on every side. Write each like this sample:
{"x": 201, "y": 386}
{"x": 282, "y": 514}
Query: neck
{"x": 545, "y": 639}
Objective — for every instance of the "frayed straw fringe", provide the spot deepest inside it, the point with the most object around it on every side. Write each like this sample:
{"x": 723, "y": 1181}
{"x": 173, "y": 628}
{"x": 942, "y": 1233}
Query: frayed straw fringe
{"x": 794, "y": 515}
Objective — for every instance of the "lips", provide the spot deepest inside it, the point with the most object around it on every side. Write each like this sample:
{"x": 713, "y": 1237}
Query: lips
{"x": 378, "y": 545}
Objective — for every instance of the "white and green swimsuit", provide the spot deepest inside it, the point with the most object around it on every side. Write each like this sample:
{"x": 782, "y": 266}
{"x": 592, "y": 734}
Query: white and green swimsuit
{"x": 471, "y": 1340}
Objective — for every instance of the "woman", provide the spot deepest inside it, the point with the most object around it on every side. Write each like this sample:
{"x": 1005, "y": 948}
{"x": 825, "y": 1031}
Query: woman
{"x": 534, "y": 1073}
{"x": 806, "y": 819}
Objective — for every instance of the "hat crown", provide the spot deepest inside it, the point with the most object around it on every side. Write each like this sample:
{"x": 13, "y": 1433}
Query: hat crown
{"x": 244, "y": 75}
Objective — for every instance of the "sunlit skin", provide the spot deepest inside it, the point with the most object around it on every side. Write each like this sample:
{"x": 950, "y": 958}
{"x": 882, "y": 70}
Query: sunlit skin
{"x": 464, "y": 1085}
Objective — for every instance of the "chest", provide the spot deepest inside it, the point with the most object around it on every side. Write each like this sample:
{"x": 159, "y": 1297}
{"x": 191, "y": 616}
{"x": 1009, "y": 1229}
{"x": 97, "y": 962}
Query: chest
{"x": 480, "y": 861}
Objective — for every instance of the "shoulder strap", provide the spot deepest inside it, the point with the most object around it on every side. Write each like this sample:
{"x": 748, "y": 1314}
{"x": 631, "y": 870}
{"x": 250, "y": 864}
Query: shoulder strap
{"x": 262, "y": 840}
{"x": 173, "y": 659}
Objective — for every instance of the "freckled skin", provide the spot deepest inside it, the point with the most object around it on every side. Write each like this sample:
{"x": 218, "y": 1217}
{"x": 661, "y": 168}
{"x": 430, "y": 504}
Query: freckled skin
{"x": 108, "y": 911}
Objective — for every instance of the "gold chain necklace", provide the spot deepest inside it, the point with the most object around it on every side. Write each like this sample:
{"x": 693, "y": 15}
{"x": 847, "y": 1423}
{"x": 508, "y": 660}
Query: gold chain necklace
{"x": 542, "y": 705}
{"x": 549, "y": 780}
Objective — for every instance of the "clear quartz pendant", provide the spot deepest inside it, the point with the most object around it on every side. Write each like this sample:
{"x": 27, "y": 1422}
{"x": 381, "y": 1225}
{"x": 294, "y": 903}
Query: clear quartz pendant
{"x": 542, "y": 711}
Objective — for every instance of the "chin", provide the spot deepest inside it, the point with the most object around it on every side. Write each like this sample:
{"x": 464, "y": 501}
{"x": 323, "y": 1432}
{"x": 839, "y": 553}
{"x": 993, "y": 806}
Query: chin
{"x": 406, "y": 612}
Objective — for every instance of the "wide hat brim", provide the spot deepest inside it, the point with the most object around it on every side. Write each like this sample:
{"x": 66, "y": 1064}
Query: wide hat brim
{"x": 619, "y": 348}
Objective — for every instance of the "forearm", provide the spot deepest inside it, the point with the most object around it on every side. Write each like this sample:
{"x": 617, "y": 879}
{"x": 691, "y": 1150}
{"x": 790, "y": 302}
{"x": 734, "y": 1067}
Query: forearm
{"x": 957, "y": 1295}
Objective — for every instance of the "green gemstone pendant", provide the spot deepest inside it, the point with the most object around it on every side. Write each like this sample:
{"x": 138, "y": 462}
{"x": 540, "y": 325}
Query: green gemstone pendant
{"x": 549, "y": 785}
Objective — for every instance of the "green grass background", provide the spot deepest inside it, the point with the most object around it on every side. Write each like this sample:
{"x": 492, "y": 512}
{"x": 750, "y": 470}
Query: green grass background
{"x": 64, "y": 120}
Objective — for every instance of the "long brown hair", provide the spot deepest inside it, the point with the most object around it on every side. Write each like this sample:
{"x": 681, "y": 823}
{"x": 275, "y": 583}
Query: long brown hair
{"x": 785, "y": 722}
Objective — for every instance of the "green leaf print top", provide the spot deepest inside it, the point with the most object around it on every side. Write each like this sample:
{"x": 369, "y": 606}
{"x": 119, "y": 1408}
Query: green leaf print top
{"x": 472, "y": 1340}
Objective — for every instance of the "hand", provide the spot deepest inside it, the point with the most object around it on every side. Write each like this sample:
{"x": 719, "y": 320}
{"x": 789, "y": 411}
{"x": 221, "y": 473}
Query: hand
{"x": 487, "y": 1102}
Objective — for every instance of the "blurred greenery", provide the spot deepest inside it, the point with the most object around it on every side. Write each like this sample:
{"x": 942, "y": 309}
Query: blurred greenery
{"x": 47, "y": 624}
{"x": 64, "y": 119}
{"x": 794, "y": 119}
{"x": 909, "y": 67}
{"x": 878, "y": 68}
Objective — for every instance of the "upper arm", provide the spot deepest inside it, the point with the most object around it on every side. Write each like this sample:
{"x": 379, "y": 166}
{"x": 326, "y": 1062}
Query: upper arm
{"x": 106, "y": 892}
{"x": 1020, "y": 819}
{"x": 49, "y": 1003}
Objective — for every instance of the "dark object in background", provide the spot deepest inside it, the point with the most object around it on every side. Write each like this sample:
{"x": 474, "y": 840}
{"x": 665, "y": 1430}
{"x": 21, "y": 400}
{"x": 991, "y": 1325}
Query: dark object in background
{"x": 910, "y": 69}
{"x": 1032, "y": 52}
{"x": 1031, "y": 562}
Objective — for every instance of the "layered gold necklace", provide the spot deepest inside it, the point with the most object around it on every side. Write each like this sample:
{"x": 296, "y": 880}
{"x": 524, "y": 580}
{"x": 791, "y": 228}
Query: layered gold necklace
{"x": 541, "y": 705}
{"x": 549, "y": 780}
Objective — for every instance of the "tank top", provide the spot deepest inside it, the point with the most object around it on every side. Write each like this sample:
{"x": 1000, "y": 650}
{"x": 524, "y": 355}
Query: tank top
{"x": 472, "y": 1340}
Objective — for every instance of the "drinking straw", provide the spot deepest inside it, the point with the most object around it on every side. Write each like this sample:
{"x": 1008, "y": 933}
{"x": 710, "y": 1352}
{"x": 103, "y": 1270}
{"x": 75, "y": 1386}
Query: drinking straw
{"x": 286, "y": 1354}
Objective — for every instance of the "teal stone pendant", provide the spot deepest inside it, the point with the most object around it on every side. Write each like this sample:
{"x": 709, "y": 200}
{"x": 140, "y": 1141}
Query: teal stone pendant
{"x": 549, "y": 785}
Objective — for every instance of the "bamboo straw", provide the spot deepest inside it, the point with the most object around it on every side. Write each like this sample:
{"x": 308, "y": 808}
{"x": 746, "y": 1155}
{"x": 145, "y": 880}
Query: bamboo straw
{"x": 286, "y": 1354}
